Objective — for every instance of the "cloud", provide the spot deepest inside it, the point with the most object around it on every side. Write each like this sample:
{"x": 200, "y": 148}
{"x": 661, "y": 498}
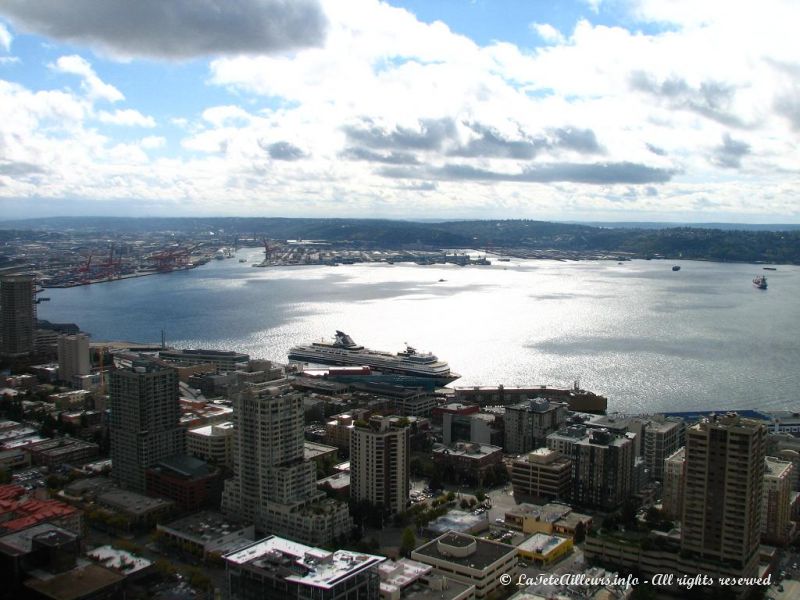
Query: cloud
{"x": 283, "y": 151}
{"x": 711, "y": 99}
{"x": 91, "y": 84}
{"x": 177, "y": 29}
{"x": 548, "y": 33}
{"x": 152, "y": 142}
{"x": 392, "y": 158}
{"x": 19, "y": 169}
{"x": 589, "y": 173}
{"x": 656, "y": 150}
{"x": 5, "y": 38}
{"x": 492, "y": 144}
{"x": 788, "y": 105}
{"x": 429, "y": 135}
{"x": 127, "y": 117}
{"x": 729, "y": 154}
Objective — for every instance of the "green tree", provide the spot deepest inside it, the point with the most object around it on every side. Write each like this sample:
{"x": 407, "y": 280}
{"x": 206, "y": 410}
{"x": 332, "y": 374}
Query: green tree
{"x": 480, "y": 495}
{"x": 408, "y": 541}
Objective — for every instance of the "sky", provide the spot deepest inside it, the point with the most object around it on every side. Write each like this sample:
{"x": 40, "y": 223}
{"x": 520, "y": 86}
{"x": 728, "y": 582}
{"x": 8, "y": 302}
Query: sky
{"x": 595, "y": 110}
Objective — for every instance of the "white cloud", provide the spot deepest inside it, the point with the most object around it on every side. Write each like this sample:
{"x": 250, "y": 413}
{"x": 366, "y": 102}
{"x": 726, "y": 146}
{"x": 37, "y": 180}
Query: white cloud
{"x": 5, "y": 38}
{"x": 96, "y": 88}
{"x": 548, "y": 33}
{"x": 9, "y": 60}
{"x": 399, "y": 117}
{"x": 127, "y": 117}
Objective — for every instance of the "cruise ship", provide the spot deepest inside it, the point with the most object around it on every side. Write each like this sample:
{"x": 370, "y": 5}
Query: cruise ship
{"x": 344, "y": 351}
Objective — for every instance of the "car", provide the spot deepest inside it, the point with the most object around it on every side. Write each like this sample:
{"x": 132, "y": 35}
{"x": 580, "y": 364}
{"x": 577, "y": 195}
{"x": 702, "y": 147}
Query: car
{"x": 499, "y": 520}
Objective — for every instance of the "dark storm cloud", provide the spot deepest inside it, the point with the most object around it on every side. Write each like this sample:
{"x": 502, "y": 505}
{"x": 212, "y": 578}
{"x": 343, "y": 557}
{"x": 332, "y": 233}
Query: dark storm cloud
{"x": 19, "y": 169}
{"x": 730, "y": 153}
{"x": 431, "y": 135}
{"x": 392, "y": 158}
{"x": 174, "y": 29}
{"x": 593, "y": 173}
{"x": 283, "y": 151}
{"x": 711, "y": 100}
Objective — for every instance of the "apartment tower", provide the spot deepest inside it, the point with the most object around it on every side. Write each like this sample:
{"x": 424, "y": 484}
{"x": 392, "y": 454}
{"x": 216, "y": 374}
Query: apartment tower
{"x": 17, "y": 315}
{"x": 73, "y": 356}
{"x": 144, "y": 422}
{"x": 723, "y": 487}
{"x": 379, "y": 464}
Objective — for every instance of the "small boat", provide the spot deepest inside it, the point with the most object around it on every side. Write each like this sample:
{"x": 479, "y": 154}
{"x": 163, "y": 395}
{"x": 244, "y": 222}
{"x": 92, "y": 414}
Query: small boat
{"x": 676, "y": 268}
{"x": 442, "y": 280}
{"x": 770, "y": 269}
{"x": 242, "y": 260}
{"x": 760, "y": 282}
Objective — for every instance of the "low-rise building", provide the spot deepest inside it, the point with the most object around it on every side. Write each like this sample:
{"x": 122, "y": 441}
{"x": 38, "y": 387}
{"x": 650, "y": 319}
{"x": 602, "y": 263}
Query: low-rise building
{"x": 470, "y": 560}
{"x": 19, "y": 509}
{"x": 320, "y": 453}
{"x": 137, "y": 510}
{"x": 547, "y": 518}
{"x": 468, "y": 460}
{"x": 190, "y": 482}
{"x": 458, "y": 521}
{"x": 410, "y": 580}
{"x": 127, "y": 564}
{"x": 206, "y": 533}
{"x": 544, "y": 549}
{"x": 542, "y": 475}
{"x": 337, "y": 484}
{"x": 63, "y": 450}
{"x": 212, "y": 443}
{"x": 275, "y": 568}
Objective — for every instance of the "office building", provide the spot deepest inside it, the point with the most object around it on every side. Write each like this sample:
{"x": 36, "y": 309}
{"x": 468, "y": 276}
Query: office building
{"x": 542, "y": 475}
{"x": 470, "y": 560}
{"x": 467, "y": 462}
{"x": 273, "y": 486}
{"x": 73, "y": 357}
{"x": 776, "y": 523}
{"x": 17, "y": 315}
{"x": 379, "y": 464}
{"x": 275, "y": 568}
{"x": 144, "y": 420}
{"x": 478, "y": 428}
{"x": 528, "y": 423}
{"x": 723, "y": 492}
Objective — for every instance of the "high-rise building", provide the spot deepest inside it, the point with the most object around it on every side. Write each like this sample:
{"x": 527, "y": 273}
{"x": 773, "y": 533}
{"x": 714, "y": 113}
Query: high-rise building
{"x": 662, "y": 438}
{"x": 723, "y": 492}
{"x": 73, "y": 356}
{"x": 273, "y": 486}
{"x": 602, "y": 464}
{"x": 542, "y": 475}
{"x": 776, "y": 519}
{"x": 144, "y": 421}
{"x": 17, "y": 315}
{"x": 674, "y": 478}
{"x": 379, "y": 464}
{"x": 528, "y": 423}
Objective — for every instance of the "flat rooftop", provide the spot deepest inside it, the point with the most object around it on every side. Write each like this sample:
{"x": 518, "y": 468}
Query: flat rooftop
{"x": 467, "y": 449}
{"x": 542, "y": 543}
{"x": 77, "y": 583}
{"x": 119, "y": 560}
{"x": 206, "y": 525}
{"x": 312, "y": 450}
{"x": 313, "y": 567}
{"x": 486, "y": 553}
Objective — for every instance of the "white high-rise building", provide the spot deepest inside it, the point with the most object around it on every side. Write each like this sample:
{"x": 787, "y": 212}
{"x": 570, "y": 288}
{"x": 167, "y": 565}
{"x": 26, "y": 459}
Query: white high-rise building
{"x": 379, "y": 464}
{"x": 73, "y": 356}
{"x": 273, "y": 486}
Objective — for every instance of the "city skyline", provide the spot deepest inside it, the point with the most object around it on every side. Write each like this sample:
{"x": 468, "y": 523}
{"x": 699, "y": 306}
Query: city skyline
{"x": 595, "y": 110}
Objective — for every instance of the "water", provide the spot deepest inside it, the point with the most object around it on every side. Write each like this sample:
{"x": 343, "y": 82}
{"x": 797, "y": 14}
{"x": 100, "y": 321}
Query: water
{"x": 647, "y": 337}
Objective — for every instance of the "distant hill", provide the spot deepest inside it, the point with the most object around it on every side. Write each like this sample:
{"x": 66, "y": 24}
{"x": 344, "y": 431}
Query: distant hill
{"x": 728, "y": 243}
